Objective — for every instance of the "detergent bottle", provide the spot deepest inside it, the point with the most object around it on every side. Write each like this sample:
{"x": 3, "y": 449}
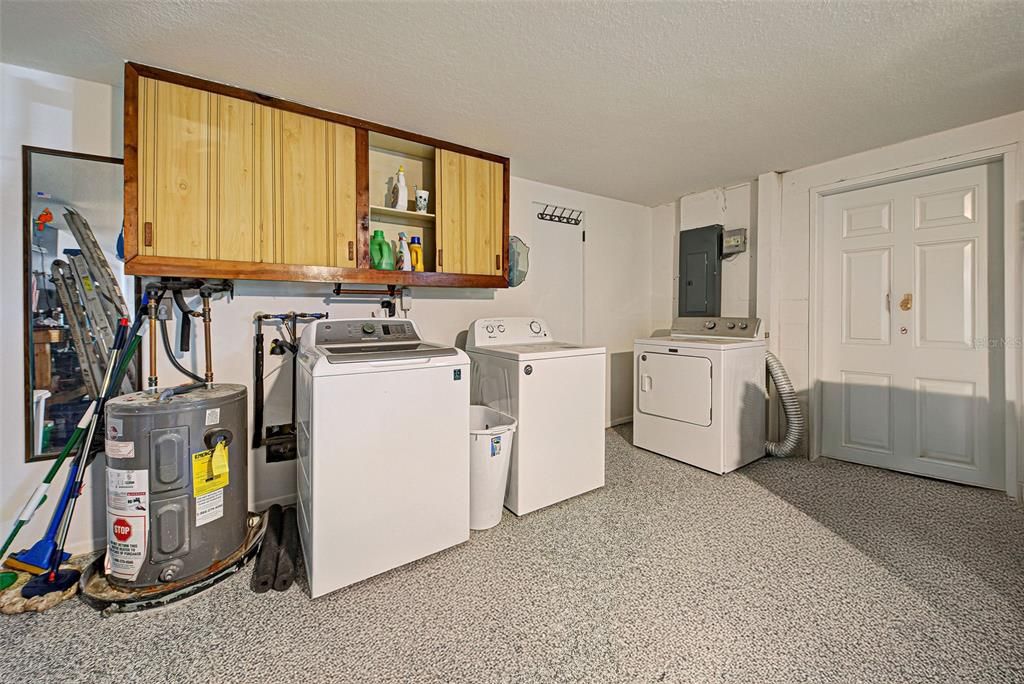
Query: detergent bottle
{"x": 400, "y": 191}
{"x": 416, "y": 253}
{"x": 380, "y": 252}
{"x": 403, "y": 261}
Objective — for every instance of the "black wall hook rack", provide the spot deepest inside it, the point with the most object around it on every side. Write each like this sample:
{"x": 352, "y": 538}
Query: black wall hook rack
{"x": 557, "y": 214}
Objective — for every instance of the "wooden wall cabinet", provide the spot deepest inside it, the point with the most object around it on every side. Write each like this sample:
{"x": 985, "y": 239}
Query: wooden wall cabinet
{"x": 222, "y": 182}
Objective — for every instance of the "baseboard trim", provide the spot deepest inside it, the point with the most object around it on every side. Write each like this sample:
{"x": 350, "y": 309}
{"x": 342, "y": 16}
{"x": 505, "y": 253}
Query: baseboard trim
{"x": 620, "y": 421}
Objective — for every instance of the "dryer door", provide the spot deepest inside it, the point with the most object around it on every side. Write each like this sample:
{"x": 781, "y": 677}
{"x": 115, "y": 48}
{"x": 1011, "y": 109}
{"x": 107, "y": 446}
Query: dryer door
{"x": 675, "y": 386}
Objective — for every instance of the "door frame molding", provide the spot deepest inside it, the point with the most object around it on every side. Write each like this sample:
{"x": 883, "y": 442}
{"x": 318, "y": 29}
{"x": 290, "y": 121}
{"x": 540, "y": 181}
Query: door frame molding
{"x": 1010, "y": 156}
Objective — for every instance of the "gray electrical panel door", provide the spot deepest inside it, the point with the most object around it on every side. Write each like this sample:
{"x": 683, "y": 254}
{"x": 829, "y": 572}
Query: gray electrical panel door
{"x": 700, "y": 272}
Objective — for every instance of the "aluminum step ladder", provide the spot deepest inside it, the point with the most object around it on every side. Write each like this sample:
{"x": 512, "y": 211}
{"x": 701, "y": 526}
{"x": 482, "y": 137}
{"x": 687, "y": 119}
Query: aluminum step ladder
{"x": 93, "y": 363}
{"x": 98, "y": 288}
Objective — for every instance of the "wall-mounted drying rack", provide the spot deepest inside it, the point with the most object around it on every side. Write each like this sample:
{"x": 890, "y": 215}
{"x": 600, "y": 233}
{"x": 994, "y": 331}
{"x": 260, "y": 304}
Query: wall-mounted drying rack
{"x": 557, "y": 214}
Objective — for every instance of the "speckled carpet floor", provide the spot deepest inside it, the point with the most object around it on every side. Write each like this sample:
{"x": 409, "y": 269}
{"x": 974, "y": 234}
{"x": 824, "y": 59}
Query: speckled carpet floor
{"x": 786, "y": 571}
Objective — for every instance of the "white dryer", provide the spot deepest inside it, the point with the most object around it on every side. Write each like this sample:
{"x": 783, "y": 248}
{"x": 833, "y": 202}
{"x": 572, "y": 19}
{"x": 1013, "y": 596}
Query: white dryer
{"x": 383, "y": 448}
{"x": 699, "y": 395}
{"x": 556, "y": 390}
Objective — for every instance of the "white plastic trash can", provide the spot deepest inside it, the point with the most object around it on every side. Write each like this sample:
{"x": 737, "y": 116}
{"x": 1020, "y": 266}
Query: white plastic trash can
{"x": 490, "y": 451}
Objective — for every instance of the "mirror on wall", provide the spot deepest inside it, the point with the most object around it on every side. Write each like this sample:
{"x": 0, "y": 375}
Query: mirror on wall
{"x": 74, "y": 286}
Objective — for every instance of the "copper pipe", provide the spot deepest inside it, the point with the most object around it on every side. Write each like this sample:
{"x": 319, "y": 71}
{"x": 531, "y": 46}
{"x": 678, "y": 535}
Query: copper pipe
{"x": 152, "y": 344}
{"x": 207, "y": 337}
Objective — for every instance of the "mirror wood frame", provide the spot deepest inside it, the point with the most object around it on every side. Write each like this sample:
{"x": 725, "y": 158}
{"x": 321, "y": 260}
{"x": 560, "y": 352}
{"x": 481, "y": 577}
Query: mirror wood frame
{"x": 26, "y": 271}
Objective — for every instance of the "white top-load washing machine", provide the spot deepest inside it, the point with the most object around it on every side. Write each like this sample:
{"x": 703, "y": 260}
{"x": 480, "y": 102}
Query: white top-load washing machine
{"x": 699, "y": 394}
{"x": 383, "y": 448}
{"x": 556, "y": 390}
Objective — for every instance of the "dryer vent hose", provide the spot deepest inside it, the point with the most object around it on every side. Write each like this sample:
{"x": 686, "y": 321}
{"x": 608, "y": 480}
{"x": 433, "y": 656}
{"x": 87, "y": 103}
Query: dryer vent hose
{"x": 795, "y": 425}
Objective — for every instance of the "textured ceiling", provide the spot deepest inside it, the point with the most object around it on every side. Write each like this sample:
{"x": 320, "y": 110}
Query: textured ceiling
{"x": 642, "y": 102}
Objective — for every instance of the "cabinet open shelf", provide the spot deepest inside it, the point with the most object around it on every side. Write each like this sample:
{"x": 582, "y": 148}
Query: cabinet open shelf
{"x": 405, "y": 218}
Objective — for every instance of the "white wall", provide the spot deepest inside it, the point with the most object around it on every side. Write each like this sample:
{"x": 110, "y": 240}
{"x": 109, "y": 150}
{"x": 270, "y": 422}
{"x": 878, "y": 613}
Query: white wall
{"x": 615, "y": 300}
{"x": 733, "y": 207}
{"x": 43, "y": 110}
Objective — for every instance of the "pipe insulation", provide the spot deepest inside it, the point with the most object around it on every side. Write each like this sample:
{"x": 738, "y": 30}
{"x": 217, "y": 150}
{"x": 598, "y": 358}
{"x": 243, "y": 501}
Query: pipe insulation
{"x": 795, "y": 424}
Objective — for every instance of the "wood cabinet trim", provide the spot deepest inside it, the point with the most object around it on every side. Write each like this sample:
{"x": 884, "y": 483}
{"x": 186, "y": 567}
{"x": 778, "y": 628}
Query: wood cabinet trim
{"x": 244, "y": 270}
{"x": 362, "y": 198}
{"x": 131, "y": 163}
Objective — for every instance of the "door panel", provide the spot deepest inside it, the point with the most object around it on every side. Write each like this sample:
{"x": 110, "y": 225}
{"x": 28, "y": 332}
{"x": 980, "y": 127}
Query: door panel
{"x": 872, "y": 219}
{"x": 944, "y": 314}
{"x": 946, "y": 421}
{"x": 946, "y": 208}
{"x": 675, "y": 386}
{"x": 905, "y": 375}
{"x": 866, "y": 285}
{"x": 867, "y": 411}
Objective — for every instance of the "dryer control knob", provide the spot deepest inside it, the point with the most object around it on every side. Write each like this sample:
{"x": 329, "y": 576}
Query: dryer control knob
{"x": 368, "y": 328}
{"x": 489, "y": 328}
{"x": 501, "y": 328}
{"x": 710, "y": 325}
{"x": 743, "y": 326}
{"x": 731, "y": 326}
{"x": 535, "y": 326}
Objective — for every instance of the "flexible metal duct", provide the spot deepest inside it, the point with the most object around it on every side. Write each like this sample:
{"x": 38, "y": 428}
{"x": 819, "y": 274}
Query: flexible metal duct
{"x": 795, "y": 425}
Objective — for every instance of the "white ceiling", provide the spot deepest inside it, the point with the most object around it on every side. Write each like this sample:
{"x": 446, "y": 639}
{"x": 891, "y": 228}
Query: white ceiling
{"x": 642, "y": 102}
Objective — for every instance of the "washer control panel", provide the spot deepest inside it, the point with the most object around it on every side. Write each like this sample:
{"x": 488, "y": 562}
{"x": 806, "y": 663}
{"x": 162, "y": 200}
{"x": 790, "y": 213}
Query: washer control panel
{"x": 517, "y": 330}
{"x": 351, "y": 331}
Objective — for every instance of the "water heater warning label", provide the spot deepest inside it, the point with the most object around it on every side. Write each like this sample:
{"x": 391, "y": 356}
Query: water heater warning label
{"x": 209, "y": 507}
{"x": 127, "y": 520}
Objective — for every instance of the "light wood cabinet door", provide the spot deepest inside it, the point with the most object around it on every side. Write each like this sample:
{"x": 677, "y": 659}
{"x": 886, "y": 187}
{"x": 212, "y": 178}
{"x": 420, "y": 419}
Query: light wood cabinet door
{"x": 313, "y": 169}
{"x": 227, "y": 179}
{"x": 235, "y": 181}
{"x": 342, "y": 198}
{"x": 174, "y": 176}
{"x": 199, "y": 182}
{"x": 470, "y": 212}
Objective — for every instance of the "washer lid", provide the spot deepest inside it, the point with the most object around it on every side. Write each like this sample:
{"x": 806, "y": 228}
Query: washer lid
{"x": 383, "y": 351}
{"x": 533, "y": 351}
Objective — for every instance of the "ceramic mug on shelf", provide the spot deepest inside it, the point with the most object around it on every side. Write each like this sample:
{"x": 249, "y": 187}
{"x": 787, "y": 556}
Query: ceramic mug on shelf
{"x": 422, "y": 197}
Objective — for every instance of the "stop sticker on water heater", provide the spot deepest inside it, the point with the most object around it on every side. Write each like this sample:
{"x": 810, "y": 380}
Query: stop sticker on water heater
{"x": 127, "y": 522}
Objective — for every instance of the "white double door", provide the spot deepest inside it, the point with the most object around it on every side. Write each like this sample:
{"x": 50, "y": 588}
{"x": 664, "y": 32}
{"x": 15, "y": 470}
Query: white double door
{"x": 909, "y": 376}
